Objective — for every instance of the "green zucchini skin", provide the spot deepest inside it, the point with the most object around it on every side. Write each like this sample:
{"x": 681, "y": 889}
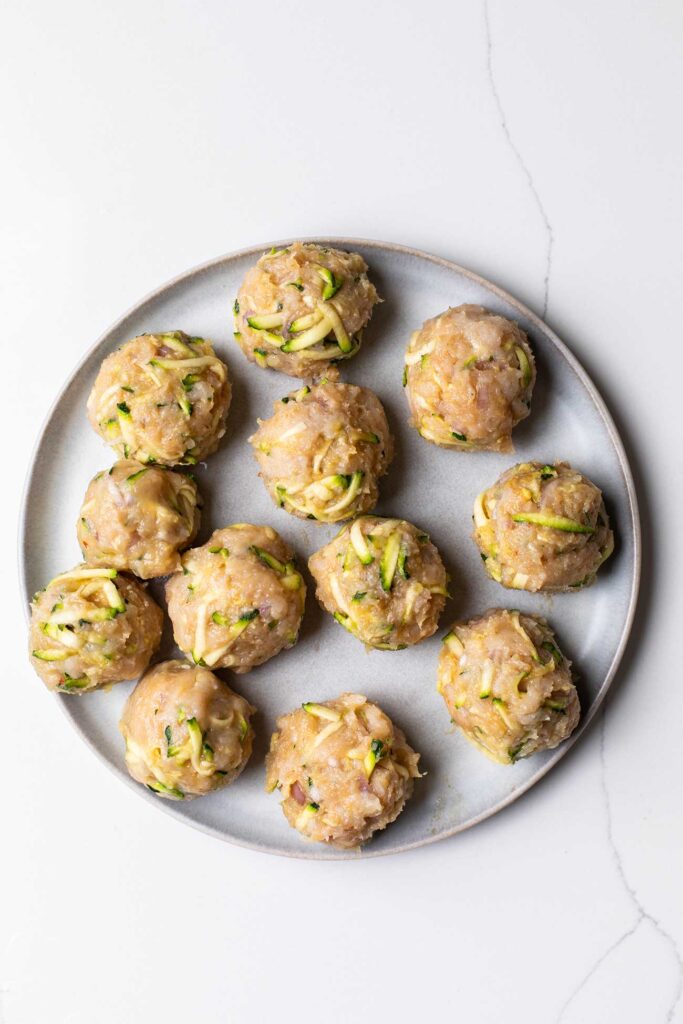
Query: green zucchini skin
{"x": 552, "y": 522}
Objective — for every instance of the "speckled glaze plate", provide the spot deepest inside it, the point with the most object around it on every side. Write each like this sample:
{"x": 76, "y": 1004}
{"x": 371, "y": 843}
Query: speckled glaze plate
{"x": 429, "y": 486}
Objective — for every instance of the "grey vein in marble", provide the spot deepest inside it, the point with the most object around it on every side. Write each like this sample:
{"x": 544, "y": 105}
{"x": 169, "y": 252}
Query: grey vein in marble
{"x": 641, "y": 914}
{"x": 550, "y": 238}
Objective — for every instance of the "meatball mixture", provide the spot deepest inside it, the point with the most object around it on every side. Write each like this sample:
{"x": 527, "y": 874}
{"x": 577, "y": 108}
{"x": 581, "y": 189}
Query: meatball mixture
{"x": 302, "y": 309}
{"x": 468, "y": 377}
{"x": 507, "y": 685}
{"x": 383, "y": 580}
{"x": 322, "y": 451}
{"x": 542, "y": 527}
{"x": 90, "y": 627}
{"x": 186, "y": 732}
{"x": 238, "y": 600}
{"x": 138, "y": 518}
{"x": 343, "y": 769}
{"x": 161, "y": 398}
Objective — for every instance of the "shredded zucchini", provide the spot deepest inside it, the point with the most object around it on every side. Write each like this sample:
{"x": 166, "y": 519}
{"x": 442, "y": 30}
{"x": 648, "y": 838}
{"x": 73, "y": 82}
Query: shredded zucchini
{"x": 321, "y": 711}
{"x": 552, "y": 522}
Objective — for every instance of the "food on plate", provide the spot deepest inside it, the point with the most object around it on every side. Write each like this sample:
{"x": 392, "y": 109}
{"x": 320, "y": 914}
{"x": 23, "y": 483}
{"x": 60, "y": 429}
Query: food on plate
{"x": 238, "y": 600}
{"x": 469, "y": 375}
{"x": 302, "y": 309}
{"x": 323, "y": 450}
{"x": 138, "y": 518}
{"x": 161, "y": 398}
{"x": 186, "y": 732}
{"x": 542, "y": 527}
{"x": 383, "y": 580}
{"x": 92, "y": 626}
{"x": 344, "y": 770}
{"x": 507, "y": 684}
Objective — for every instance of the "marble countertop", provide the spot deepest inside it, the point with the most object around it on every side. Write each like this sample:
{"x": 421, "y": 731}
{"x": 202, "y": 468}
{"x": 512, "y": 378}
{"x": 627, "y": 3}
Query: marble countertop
{"x": 536, "y": 143}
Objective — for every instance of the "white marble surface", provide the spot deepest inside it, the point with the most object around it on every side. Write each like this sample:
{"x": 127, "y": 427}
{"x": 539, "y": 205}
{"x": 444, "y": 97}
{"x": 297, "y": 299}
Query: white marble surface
{"x": 536, "y": 142}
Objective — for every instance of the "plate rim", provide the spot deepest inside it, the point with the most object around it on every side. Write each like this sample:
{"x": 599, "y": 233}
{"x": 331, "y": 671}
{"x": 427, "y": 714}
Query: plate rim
{"x": 310, "y": 851}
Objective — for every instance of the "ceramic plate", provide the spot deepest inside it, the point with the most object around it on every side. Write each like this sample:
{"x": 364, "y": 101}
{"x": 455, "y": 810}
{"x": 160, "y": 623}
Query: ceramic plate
{"x": 431, "y": 487}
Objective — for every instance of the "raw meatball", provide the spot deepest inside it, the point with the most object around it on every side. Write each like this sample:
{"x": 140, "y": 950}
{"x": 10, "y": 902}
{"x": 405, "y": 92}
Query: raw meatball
{"x": 383, "y": 580}
{"x": 302, "y": 309}
{"x": 344, "y": 770}
{"x": 469, "y": 376}
{"x": 323, "y": 450}
{"x": 542, "y": 527}
{"x": 507, "y": 685}
{"x": 238, "y": 600}
{"x": 90, "y": 627}
{"x": 161, "y": 398}
{"x": 137, "y": 518}
{"x": 186, "y": 732}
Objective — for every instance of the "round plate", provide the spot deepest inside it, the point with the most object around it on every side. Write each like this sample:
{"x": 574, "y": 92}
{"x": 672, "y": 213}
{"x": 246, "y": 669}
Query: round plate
{"x": 431, "y": 487}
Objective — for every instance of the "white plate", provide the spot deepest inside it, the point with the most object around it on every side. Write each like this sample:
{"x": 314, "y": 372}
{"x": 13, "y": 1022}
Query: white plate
{"x": 429, "y": 486}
